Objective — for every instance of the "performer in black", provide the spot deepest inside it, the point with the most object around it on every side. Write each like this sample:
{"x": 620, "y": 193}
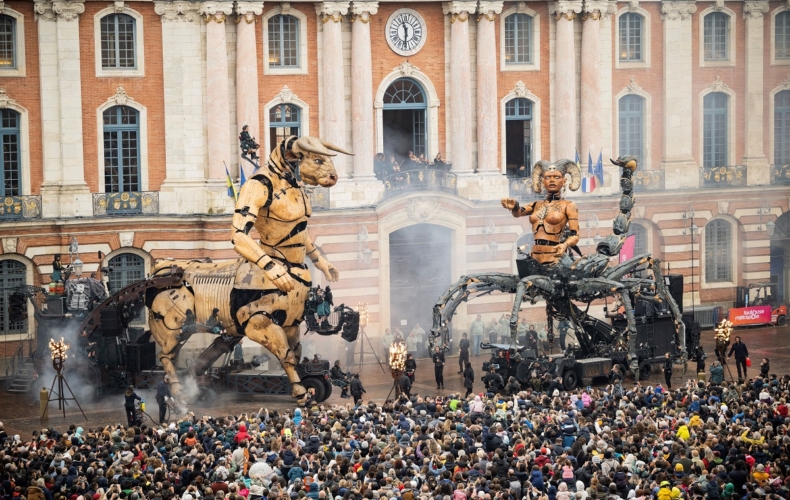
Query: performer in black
{"x": 469, "y": 378}
{"x": 247, "y": 143}
{"x": 340, "y": 379}
{"x": 129, "y": 398}
{"x": 463, "y": 357}
{"x": 404, "y": 382}
{"x": 668, "y": 370}
{"x": 438, "y": 366}
{"x": 411, "y": 367}
{"x": 356, "y": 389}
{"x": 493, "y": 381}
{"x": 162, "y": 395}
{"x": 741, "y": 353}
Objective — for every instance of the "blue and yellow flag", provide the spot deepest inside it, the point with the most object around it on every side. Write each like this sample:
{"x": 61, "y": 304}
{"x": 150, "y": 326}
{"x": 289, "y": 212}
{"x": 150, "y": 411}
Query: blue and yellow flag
{"x": 231, "y": 188}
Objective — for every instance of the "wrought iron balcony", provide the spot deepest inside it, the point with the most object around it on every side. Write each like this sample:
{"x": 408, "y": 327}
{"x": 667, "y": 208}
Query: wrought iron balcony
{"x": 780, "y": 174}
{"x": 520, "y": 188}
{"x": 420, "y": 180}
{"x": 126, "y": 203}
{"x": 723, "y": 177}
{"x": 20, "y": 207}
{"x": 648, "y": 180}
{"x": 319, "y": 197}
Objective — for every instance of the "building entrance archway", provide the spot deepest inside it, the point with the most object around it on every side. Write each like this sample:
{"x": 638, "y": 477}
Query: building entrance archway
{"x": 419, "y": 273}
{"x": 405, "y": 125}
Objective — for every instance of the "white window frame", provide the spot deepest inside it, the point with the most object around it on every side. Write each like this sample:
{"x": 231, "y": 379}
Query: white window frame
{"x": 143, "y": 115}
{"x": 537, "y": 137}
{"x": 731, "y": 115}
{"x": 24, "y": 146}
{"x": 646, "y": 40}
{"x": 304, "y": 115}
{"x": 147, "y": 262}
{"x": 647, "y": 119}
{"x": 699, "y": 244}
{"x": 648, "y": 229}
{"x": 771, "y": 116}
{"x": 774, "y": 60}
{"x": 303, "y": 63}
{"x": 520, "y": 8}
{"x": 139, "y": 39}
{"x": 732, "y": 38}
{"x": 19, "y": 44}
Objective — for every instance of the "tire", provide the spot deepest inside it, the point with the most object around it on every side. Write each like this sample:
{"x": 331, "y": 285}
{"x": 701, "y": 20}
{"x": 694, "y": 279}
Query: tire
{"x": 327, "y": 389}
{"x": 205, "y": 397}
{"x": 644, "y": 371}
{"x": 570, "y": 380}
{"x": 317, "y": 384}
{"x": 781, "y": 320}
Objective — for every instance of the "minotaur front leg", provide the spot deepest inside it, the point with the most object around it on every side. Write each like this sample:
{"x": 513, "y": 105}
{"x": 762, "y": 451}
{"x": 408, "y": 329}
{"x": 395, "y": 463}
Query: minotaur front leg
{"x": 260, "y": 329}
{"x": 166, "y": 317}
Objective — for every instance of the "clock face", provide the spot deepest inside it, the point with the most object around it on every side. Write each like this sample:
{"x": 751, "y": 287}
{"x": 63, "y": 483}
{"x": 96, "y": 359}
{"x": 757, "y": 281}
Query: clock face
{"x": 405, "y": 32}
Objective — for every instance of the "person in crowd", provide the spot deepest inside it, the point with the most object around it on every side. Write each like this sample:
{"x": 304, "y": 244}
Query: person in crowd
{"x": 413, "y": 344}
{"x": 129, "y": 405}
{"x": 532, "y": 338}
{"x": 521, "y": 332}
{"x": 380, "y": 168}
{"x": 504, "y": 329}
{"x": 463, "y": 353}
{"x": 493, "y": 331}
{"x": 404, "y": 383}
{"x": 469, "y": 378}
{"x": 523, "y": 172}
{"x": 357, "y": 390}
{"x": 419, "y": 334}
{"x": 716, "y": 373}
{"x": 411, "y": 367}
{"x": 476, "y": 330}
{"x": 741, "y": 354}
{"x": 438, "y": 365}
{"x": 765, "y": 367}
{"x": 667, "y": 369}
{"x": 493, "y": 381}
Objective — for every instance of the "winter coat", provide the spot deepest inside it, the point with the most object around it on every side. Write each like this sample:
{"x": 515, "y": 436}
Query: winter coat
{"x": 536, "y": 478}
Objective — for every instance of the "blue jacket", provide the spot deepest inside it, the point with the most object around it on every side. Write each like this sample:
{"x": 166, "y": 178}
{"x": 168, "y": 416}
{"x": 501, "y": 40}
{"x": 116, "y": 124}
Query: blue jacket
{"x": 536, "y": 478}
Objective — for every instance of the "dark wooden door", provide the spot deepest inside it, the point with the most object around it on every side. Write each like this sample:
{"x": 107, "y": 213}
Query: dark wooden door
{"x": 419, "y": 274}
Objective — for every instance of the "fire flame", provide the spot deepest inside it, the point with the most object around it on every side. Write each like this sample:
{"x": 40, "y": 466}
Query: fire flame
{"x": 58, "y": 349}
{"x": 362, "y": 309}
{"x": 397, "y": 358}
{"x": 723, "y": 331}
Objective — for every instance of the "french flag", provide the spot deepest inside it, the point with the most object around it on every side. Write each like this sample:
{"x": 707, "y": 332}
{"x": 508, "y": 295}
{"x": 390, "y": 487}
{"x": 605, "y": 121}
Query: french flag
{"x": 588, "y": 181}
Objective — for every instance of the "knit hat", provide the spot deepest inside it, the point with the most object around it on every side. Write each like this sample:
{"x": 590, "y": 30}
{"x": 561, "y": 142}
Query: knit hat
{"x": 679, "y": 467}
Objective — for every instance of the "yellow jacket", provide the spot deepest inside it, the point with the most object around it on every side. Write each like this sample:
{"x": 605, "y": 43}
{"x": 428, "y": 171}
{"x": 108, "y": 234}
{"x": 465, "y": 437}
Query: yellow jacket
{"x": 683, "y": 432}
{"x": 695, "y": 421}
{"x": 747, "y": 439}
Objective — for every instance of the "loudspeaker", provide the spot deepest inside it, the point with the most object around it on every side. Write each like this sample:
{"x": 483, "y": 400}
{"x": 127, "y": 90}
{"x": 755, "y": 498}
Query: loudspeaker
{"x": 110, "y": 322}
{"x": 675, "y": 286}
{"x": 55, "y": 305}
{"x": 140, "y": 357}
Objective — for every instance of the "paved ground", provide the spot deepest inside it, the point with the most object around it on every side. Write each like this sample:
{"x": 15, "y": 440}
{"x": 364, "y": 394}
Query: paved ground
{"x": 21, "y": 414}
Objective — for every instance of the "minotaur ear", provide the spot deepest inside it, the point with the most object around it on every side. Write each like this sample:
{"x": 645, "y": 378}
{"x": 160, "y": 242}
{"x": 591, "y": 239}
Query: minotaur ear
{"x": 291, "y": 156}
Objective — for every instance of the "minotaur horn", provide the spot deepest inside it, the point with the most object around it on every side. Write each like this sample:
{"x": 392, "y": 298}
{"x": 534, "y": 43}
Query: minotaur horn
{"x": 566, "y": 167}
{"x": 313, "y": 145}
{"x": 537, "y": 174}
{"x": 331, "y": 146}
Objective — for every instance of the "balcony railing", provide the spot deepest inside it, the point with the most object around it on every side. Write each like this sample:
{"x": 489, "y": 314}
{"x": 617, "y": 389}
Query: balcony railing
{"x": 126, "y": 203}
{"x": 319, "y": 197}
{"x": 723, "y": 177}
{"x": 780, "y": 174}
{"x": 648, "y": 180}
{"x": 520, "y": 188}
{"x": 420, "y": 180}
{"x": 20, "y": 207}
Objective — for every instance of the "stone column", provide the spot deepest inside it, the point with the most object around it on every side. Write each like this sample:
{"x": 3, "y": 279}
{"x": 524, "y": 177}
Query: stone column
{"x": 565, "y": 77}
{"x": 460, "y": 133}
{"x": 758, "y": 170}
{"x": 218, "y": 102}
{"x": 590, "y": 86}
{"x": 333, "y": 123}
{"x": 487, "y": 92}
{"x": 247, "y": 110}
{"x": 183, "y": 190}
{"x": 65, "y": 192}
{"x": 362, "y": 121}
{"x": 680, "y": 169}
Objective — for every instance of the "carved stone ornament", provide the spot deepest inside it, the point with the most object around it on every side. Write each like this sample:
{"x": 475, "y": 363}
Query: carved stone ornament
{"x": 4, "y": 99}
{"x": 121, "y": 97}
{"x": 523, "y": 8}
{"x": 489, "y": 10}
{"x": 459, "y": 10}
{"x": 126, "y": 238}
{"x": 785, "y": 83}
{"x": 119, "y": 6}
{"x": 639, "y": 211}
{"x": 333, "y": 11}
{"x": 177, "y": 11}
{"x": 677, "y": 10}
{"x": 718, "y": 5}
{"x": 407, "y": 69}
{"x": 2, "y": 6}
{"x": 633, "y": 5}
{"x": 10, "y": 244}
{"x": 724, "y": 207}
{"x": 422, "y": 209}
{"x": 565, "y": 9}
{"x": 521, "y": 89}
{"x": 633, "y": 87}
{"x": 718, "y": 85}
{"x": 755, "y": 9}
{"x": 595, "y": 10}
{"x": 286, "y": 95}
{"x": 248, "y": 11}
{"x": 216, "y": 11}
{"x": 68, "y": 10}
{"x": 363, "y": 11}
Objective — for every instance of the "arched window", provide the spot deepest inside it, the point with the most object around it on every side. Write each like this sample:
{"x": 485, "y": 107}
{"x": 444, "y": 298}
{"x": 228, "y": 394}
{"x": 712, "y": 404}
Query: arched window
{"x": 405, "y": 108}
{"x": 126, "y": 269}
{"x": 7, "y": 42}
{"x": 118, "y": 42}
{"x": 640, "y": 238}
{"x": 10, "y": 184}
{"x": 782, "y": 33}
{"x": 715, "y": 147}
{"x": 631, "y": 37}
{"x": 717, "y": 37}
{"x": 518, "y": 137}
{"x": 121, "y": 149}
{"x": 718, "y": 251}
{"x": 782, "y": 126}
{"x": 632, "y": 126}
{"x": 12, "y": 274}
{"x": 283, "y": 41}
{"x": 518, "y": 39}
{"x": 284, "y": 120}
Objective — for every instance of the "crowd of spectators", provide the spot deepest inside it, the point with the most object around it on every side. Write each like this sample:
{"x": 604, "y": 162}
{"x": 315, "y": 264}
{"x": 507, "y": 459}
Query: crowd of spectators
{"x": 722, "y": 441}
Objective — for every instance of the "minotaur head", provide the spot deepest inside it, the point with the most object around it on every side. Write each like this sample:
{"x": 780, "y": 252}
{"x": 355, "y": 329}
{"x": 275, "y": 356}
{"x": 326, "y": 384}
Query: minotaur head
{"x": 316, "y": 167}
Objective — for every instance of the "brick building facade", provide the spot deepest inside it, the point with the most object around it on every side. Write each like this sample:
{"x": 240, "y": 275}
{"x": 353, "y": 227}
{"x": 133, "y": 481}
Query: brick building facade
{"x": 147, "y": 97}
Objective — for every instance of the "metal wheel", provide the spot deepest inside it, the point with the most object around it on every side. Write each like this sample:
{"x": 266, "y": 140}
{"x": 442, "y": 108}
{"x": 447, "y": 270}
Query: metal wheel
{"x": 317, "y": 384}
{"x": 327, "y": 389}
{"x": 644, "y": 371}
{"x": 570, "y": 380}
{"x": 781, "y": 320}
{"x": 205, "y": 396}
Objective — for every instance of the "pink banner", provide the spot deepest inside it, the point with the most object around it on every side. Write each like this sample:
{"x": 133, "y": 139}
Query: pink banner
{"x": 754, "y": 315}
{"x": 627, "y": 250}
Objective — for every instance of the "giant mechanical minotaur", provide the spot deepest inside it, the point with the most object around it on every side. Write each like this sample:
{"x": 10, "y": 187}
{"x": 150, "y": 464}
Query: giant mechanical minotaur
{"x": 262, "y": 295}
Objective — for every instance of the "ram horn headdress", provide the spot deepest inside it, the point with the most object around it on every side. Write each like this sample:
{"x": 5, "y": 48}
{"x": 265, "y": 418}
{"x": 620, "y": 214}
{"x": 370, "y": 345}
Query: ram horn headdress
{"x": 567, "y": 167}
{"x": 315, "y": 145}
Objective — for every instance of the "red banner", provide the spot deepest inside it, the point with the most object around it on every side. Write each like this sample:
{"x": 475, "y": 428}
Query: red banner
{"x": 753, "y": 315}
{"x": 627, "y": 250}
